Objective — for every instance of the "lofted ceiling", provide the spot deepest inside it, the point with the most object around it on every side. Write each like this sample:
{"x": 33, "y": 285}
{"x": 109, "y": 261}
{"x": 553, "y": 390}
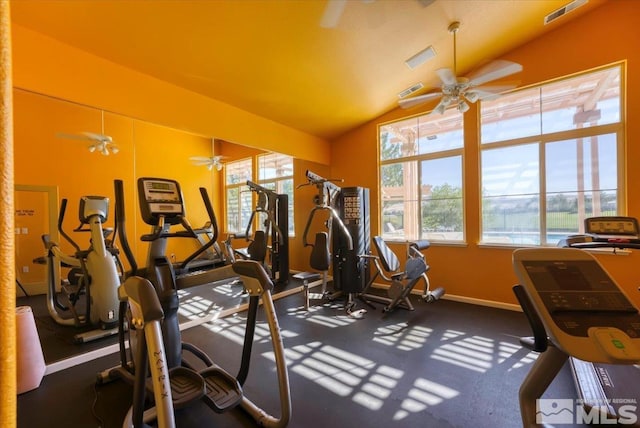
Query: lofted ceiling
{"x": 274, "y": 59}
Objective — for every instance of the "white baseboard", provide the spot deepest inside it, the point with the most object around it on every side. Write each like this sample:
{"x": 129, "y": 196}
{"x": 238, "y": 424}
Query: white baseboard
{"x": 464, "y": 299}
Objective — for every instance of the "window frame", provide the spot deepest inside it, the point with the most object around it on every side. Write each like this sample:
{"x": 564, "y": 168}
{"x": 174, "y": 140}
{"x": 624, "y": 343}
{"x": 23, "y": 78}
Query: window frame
{"x": 543, "y": 140}
{"x": 419, "y": 159}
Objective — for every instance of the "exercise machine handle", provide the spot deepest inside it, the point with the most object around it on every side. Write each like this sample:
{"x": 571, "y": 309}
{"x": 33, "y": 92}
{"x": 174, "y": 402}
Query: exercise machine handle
{"x": 63, "y": 209}
{"x": 214, "y": 227}
{"x": 120, "y": 225}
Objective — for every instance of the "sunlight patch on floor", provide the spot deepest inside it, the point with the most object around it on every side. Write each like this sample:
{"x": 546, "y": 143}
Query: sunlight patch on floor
{"x": 402, "y": 336}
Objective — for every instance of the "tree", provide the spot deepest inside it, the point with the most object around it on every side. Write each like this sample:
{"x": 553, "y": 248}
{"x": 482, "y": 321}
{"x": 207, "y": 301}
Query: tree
{"x": 391, "y": 175}
{"x": 443, "y": 209}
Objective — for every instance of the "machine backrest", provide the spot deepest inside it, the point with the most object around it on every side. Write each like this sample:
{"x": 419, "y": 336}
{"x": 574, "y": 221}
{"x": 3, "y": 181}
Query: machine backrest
{"x": 258, "y": 247}
{"x": 320, "y": 257}
{"x": 388, "y": 258}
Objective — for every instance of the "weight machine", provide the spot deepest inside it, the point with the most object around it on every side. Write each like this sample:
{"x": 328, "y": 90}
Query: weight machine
{"x": 274, "y": 208}
{"x": 403, "y": 281}
{"x": 348, "y": 210}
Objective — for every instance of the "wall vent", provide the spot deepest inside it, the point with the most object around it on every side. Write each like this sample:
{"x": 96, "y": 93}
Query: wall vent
{"x": 563, "y": 10}
{"x": 411, "y": 90}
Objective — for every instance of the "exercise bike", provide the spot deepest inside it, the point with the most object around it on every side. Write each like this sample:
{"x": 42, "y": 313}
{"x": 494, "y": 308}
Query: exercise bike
{"x": 155, "y": 331}
{"x": 94, "y": 276}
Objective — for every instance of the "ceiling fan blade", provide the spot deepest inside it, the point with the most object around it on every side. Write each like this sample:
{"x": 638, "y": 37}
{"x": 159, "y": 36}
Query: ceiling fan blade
{"x": 447, "y": 76}
{"x": 494, "y": 70}
{"x": 332, "y": 13}
{"x": 488, "y": 92}
{"x": 72, "y": 136}
{"x": 98, "y": 137}
{"x": 201, "y": 159}
{"x": 420, "y": 99}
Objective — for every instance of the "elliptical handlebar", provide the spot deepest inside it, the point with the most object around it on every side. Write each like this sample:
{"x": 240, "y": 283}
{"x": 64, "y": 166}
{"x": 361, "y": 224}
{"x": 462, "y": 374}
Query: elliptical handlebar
{"x": 214, "y": 227}
{"x": 63, "y": 209}
{"x": 120, "y": 221}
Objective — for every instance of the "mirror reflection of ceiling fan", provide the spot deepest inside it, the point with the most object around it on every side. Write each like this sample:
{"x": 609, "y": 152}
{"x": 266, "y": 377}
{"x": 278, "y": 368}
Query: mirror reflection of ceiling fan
{"x": 99, "y": 143}
{"x": 209, "y": 162}
{"x": 334, "y": 9}
{"x": 459, "y": 91}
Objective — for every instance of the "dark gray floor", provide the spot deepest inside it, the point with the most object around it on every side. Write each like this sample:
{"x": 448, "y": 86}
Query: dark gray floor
{"x": 447, "y": 364}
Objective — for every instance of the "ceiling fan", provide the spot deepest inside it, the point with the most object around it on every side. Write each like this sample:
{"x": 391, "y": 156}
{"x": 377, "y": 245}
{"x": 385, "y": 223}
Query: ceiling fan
{"x": 459, "y": 91}
{"x": 100, "y": 143}
{"x": 209, "y": 162}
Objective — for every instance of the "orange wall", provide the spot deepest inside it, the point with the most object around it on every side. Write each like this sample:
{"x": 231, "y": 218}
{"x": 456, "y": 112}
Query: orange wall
{"x": 43, "y": 159}
{"x": 608, "y": 34}
{"x": 44, "y": 65}
{"x": 603, "y": 36}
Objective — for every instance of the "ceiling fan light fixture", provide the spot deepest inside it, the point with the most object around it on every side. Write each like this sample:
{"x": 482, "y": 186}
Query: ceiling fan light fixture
{"x": 463, "y": 107}
{"x": 472, "y": 97}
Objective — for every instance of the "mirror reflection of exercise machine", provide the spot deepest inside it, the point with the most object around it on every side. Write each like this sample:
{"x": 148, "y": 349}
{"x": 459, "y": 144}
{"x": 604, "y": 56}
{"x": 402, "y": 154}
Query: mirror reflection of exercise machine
{"x": 576, "y": 310}
{"x": 153, "y": 302}
{"x": 346, "y": 209}
{"x": 93, "y": 278}
{"x": 599, "y": 382}
{"x": 269, "y": 244}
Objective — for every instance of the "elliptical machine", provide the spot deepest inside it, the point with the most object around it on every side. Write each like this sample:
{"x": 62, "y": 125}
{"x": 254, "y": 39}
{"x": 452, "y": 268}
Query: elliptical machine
{"x": 175, "y": 383}
{"x": 94, "y": 273}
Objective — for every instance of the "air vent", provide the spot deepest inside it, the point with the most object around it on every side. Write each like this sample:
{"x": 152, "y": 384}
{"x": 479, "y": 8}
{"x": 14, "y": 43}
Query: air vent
{"x": 421, "y": 57}
{"x": 563, "y": 10}
{"x": 411, "y": 90}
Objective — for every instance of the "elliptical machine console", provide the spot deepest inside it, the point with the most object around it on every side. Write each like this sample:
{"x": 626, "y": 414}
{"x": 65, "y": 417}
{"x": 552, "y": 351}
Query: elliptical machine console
{"x": 584, "y": 314}
{"x": 160, "y": 199}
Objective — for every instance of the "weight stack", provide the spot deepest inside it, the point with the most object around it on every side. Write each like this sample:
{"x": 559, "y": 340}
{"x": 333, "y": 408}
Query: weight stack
{"x": 351, "y": 272}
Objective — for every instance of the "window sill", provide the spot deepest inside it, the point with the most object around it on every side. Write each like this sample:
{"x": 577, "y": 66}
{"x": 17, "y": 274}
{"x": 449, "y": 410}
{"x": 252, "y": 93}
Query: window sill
{"x": 605, "y": 251}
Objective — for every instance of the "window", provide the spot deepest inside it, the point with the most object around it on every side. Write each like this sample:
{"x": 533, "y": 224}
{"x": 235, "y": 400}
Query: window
{"x": 275, "y": 172}
{"x": 239, "y": 203}
{"x": 421, "y": 182}
{"x": 551, "y": 156}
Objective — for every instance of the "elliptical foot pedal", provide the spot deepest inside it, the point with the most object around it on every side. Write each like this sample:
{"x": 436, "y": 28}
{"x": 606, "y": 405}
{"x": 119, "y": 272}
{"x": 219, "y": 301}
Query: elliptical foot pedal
{"x": 223, "y": 390}
{"x": 186, "y": 386}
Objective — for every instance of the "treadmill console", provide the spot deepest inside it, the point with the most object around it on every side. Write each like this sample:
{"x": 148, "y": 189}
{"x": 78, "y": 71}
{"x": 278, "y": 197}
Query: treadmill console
{"x": 160, "y": 197}
{"x": 584, "y": 311}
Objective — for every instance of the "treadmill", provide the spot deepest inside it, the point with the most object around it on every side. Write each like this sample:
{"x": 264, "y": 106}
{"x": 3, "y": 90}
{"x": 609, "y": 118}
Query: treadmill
{"x": 598, "y": 382}
{"x": 578, "y": 313}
